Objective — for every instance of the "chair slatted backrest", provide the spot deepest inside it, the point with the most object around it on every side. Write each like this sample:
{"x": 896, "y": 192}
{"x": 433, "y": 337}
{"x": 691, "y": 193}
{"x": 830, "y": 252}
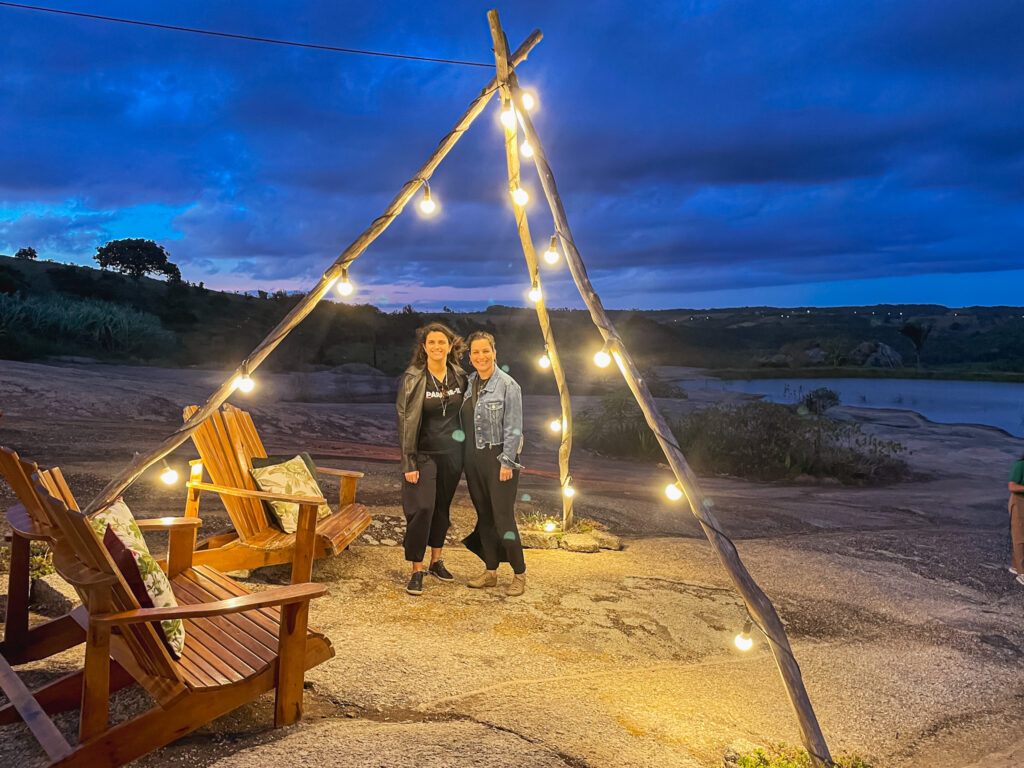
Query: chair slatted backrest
{"x": 226, "y": 448}
{"x": 18, "y": 474}
{"x": 81, "y": 559}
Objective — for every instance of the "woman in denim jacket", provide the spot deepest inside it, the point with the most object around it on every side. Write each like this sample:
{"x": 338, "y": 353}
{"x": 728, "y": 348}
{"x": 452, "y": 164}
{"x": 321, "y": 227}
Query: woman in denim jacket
{"x": 492, "y": 416}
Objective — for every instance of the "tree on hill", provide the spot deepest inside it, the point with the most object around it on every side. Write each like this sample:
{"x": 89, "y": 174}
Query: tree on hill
{"x": 137, "y": 257}
{"x": 26, "y": 253}
{"x": 917, "y": 333}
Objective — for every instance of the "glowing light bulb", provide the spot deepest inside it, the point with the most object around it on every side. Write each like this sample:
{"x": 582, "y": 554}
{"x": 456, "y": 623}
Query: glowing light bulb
{"x": 551, "y": 254}
{"x": 743, "y": 640}
{"x": 602, "y": 359}
{"x": 520, "y": 196}
{"x": 508, "y": 115}
{"x": 427, "y": 204}
{"x": 525, "y": 149}
{"x": 345, "y": 287}
{"x": 544, "y": 361}
{"x": 245, "y": 383}
{"x": 535, "y": 293}
{"x": 568, "y": 491}
{"x": 673, "y": 491}
{"x": 555, "y": 425}
{"x": 527, "y": 100}
{"x": 550, "y": 526}
{"x": 169, "y": 476}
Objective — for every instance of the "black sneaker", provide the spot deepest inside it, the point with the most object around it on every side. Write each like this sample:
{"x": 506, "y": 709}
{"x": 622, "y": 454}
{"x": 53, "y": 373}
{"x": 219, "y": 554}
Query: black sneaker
{"x": 438, "y": 569}
{"x": 415, "y": 585}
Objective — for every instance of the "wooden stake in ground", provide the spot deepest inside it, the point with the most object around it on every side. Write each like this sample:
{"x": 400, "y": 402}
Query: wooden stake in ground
{"x": 523, "y": 227}
{"x": 298, "y": 313}
{"x": 758, "y": 604}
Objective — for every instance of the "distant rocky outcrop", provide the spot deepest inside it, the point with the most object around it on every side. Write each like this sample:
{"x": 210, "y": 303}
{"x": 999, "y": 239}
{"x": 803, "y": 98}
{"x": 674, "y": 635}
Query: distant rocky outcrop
{"x": 349, "y": 383}
{"x": 875, "y": 354}
{"x": 780, "y": 360}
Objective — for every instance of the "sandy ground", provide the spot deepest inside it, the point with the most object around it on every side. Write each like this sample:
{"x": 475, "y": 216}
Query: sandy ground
{"x": 900, "y": 611}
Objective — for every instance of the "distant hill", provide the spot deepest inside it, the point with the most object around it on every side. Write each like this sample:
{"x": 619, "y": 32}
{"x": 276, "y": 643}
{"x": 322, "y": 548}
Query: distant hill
{"x": 59, "y": 309}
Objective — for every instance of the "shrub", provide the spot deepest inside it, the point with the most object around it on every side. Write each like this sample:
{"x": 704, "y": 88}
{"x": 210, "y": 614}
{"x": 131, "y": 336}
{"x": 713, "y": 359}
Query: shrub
{"x": 96, "y": 326}
{"x": 819, "y": 400}
{"x": 760, "y": 441}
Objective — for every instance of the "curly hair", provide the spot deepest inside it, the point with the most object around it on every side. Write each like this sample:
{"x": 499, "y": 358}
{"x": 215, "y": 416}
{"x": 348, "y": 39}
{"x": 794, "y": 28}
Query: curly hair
{"x": 419, "y": 353}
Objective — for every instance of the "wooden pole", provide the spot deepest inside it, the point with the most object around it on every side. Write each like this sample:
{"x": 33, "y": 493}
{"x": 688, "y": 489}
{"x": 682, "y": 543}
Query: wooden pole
{"x": 758, "y": 604}
{"x": 298, "y": 313}
{"x": 523, "y": 227}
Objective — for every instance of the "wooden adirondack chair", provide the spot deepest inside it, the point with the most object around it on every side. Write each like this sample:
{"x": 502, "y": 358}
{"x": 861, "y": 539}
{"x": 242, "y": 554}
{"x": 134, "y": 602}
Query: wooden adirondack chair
{"x": 227, "y": 443}
{"x": 238, "y": 645}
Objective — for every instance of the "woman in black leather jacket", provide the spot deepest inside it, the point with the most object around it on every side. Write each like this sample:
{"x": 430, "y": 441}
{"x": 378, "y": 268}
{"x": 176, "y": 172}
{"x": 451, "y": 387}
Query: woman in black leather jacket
{"x": 430, "y": 437}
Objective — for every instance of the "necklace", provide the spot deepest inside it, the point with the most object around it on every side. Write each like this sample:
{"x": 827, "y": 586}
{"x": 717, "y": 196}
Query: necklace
{"x": 443, "y": 386}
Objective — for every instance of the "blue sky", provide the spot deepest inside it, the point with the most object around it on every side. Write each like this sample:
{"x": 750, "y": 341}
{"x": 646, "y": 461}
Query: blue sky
{"x": 709, "y": 153}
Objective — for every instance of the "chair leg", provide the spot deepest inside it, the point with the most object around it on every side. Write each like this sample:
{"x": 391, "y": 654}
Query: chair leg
{"x": 18, "y": 584}
{"x": 291, "y": 663}
{"x": 95, "y": 717}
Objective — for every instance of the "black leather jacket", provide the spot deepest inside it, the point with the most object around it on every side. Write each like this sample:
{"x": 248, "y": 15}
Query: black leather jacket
{"x": 412, "y": 389}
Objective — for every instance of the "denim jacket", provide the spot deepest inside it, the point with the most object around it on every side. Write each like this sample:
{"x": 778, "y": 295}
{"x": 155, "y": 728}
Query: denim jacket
{"x": 498, "y": 417}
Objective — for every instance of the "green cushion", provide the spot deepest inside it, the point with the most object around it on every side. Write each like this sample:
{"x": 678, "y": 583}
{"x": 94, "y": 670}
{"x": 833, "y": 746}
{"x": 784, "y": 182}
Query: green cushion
{"x": 269, "y": 461}
{"x": 291, "y": 478}
{"x": 122, "y": 523}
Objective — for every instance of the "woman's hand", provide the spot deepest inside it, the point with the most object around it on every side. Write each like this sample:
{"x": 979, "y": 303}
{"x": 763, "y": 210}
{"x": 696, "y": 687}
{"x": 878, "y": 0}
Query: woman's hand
{"x": 412, "y": 477}
{"x": 504, "y": 474}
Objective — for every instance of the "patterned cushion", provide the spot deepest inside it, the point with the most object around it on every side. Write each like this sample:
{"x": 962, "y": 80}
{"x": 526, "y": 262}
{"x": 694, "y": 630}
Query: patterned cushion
{"x": 291, "y": 478}
{"x": 119, "y": 519}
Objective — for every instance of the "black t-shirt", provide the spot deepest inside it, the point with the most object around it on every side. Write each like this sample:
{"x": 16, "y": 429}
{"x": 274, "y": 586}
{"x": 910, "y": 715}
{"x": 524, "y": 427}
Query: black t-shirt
{"x": 441, "y": 406}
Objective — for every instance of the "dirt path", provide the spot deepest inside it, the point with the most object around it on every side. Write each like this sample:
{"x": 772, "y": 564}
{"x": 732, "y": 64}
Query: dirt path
{"x": 906, "y": 625}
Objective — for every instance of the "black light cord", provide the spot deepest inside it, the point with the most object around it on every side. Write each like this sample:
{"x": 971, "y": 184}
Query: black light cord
{"x": 234, "y": 36}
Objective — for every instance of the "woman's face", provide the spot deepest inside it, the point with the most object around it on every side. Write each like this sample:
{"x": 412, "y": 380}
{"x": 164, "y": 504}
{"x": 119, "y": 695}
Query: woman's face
{"x": 437, "y": 346}
{"x": 481, "y": 355}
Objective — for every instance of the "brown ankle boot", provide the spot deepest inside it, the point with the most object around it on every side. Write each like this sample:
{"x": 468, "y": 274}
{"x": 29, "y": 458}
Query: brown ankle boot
{"x": 485, "y": 579}
{"x": 518, "y": 585}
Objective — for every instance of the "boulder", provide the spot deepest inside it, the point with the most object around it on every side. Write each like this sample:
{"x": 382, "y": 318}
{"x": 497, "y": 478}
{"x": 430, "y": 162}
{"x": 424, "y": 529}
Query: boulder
{"x": 875, "y": 354}
{"x": 539, "y": 539}
{"x": 580, "y": 542}
{"x": 607, "y": 540}
{"x": 780, "y": 360}
{"x": 52, "y": 596}
{"x": 814, "y": 356}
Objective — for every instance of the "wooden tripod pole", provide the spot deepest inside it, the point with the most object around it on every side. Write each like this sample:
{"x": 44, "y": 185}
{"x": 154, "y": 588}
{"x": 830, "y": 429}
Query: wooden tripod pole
{"x": 299, "y": 312}
{"x": 523, "y": 227}
{"x": 758, "y": 605}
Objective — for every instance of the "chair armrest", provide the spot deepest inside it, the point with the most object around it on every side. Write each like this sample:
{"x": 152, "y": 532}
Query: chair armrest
{"x": 263, "y": 495}
{"x": 293, "y": 593}
{"x": 167, "y": 523}
{"x": 338, "y": 472}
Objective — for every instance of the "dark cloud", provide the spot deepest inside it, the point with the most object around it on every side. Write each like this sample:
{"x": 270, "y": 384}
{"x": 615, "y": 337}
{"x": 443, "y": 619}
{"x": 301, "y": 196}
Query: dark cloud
{"x": 700, "y": 146}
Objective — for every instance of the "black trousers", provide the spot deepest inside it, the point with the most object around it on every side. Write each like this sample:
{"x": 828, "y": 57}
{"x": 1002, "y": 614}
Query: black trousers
{"x": 427, "y": 503}
{"x": 496, "y": 538}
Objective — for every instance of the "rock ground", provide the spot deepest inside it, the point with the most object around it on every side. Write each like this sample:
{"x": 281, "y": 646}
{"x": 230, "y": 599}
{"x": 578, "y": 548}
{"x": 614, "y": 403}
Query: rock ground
{"x": 899, "y": 610}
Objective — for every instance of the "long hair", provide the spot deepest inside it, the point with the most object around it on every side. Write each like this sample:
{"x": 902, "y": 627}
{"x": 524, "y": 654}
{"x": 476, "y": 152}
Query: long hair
{"x": 419, "y": 354}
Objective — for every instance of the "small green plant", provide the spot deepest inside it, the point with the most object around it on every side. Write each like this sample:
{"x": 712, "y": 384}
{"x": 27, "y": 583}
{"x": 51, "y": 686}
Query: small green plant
{"x": 784, "y": 756}
{"x": 40, "y": 560}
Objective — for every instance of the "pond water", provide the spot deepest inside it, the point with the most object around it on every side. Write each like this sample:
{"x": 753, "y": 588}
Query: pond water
{"x": 997, "y": 404}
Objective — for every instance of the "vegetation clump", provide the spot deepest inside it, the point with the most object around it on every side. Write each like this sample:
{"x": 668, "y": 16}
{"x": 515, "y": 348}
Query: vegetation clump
{"x": 757, "y": 441}
{"x": 784, "y": 756}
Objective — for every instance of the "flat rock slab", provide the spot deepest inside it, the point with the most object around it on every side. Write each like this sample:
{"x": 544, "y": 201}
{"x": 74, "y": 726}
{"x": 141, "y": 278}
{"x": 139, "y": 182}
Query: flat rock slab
{"x": 580, "y": 542}
{"x": 362, "y": 744}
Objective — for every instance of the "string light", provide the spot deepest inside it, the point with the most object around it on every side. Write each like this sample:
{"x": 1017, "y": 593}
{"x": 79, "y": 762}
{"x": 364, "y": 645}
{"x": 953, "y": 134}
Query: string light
{"x": 520, "y": 196}
{"x": 527, "y": 100}
{"x": 169, "y": 476}
{"x": 345, "y": 287}
{"x": 602, "y": 359}
{"x": 743, "y": 640}
{"x": 525, "y": 149}
{"x": 551, "y": 254}
{"x": 427, "y": 205}
{"x": 555, "y": 425}
{"x": 567, "y": 490}
{"x": 673, "y": 491}
{"x": 508, "y": 115}
{"x": 544, "y": 361}
{"x": 535, "y": 293}
{"x": 244, "y": 382}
